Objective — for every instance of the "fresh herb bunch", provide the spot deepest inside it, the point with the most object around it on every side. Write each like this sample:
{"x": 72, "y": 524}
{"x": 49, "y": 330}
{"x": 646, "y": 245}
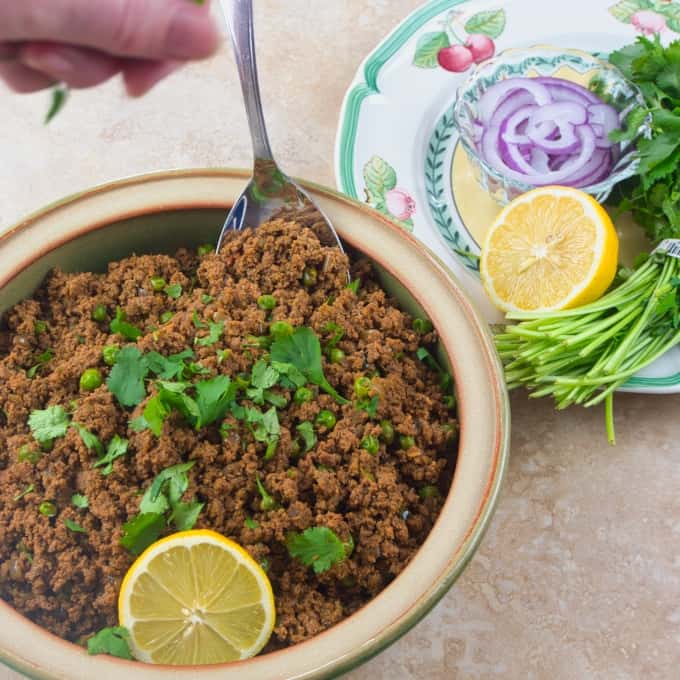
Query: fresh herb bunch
{"x": 582, "y": 355}
{"x": 653, "y": 196}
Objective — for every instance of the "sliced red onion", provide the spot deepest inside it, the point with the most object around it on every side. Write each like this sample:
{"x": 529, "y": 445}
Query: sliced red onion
{"x": 541, "y": 131}
{"x": 606, "y": 117}
{"x": 496, "y": 95}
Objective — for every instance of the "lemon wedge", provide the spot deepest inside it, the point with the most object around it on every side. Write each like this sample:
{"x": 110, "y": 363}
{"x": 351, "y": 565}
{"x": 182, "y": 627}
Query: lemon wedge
{"x": 196, "y": 598}
{"x": 551, "y": 248}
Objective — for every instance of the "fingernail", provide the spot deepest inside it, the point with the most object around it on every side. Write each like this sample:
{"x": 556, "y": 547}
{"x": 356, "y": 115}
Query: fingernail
{"x": 51, "y": 61}
{"x": 191, "y": 34}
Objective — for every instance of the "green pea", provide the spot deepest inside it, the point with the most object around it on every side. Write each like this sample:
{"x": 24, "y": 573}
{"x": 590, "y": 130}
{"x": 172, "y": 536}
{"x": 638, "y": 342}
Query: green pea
{"x": 310, "y": 276}
{"x": 406, "y": 442}
{"x": 429, "y": 491}
{"x": 422, "y": 326}
{"x": 370, "y": 443}
{"x": 91, "y": 379}
{"x": 387, "y": 431}
{"x": 205, "y": 249}
{"x": 47, "y": 509}
{"x": 166, "y": 316}
{"x": 303, "y": 394}
{"x": 39, "y": 327}
{"x": 266, "y": 302}
{"x": 326, "y": 419}
{"x": 363, "y": 387}
{"x": 28, "y": 455}
{"x": 158, "y": 283}
{"x": 281, "y": 329}
{"x": 99, "y": 313}
{"x": 110, "y": 354}
{"x": 336, "y": 355}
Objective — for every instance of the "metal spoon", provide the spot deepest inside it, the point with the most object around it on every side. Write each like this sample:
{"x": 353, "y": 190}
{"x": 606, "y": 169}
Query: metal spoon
{"x": 270, "y": 193}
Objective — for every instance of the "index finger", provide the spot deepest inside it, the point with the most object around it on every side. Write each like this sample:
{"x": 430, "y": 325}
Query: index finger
{"x": 148, "y": 29}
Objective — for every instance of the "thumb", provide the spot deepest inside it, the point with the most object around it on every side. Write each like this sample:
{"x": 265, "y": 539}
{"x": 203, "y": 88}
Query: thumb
{"x": 148, "y": 29}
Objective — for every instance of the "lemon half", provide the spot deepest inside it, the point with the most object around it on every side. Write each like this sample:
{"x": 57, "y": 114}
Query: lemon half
{"x": 196, "y": 597}
{"x": 551, "y": 248}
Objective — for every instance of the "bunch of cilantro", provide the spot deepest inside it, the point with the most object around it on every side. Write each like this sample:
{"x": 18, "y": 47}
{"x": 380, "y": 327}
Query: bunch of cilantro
{"x": 653, "y": 196}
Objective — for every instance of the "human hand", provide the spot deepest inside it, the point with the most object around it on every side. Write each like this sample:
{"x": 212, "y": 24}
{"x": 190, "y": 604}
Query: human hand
{"x": 84, "y": 43}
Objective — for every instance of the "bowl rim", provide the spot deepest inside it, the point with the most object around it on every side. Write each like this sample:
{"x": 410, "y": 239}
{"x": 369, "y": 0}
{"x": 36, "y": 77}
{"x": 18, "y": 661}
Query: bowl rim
{"x": 457, "y": 560}
{"x": 600, "y": 189}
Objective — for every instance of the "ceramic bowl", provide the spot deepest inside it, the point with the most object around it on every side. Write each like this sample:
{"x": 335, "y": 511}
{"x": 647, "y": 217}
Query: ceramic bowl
{"x": 159, "y": 213}
{"x": 569, "y": 64}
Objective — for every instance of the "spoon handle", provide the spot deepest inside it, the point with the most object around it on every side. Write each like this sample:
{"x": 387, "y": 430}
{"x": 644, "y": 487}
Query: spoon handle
{"x": 239, "y": 16}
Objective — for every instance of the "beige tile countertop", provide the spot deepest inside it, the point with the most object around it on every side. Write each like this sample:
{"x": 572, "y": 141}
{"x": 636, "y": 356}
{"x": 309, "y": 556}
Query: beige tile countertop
{"x": 579, "y": 575}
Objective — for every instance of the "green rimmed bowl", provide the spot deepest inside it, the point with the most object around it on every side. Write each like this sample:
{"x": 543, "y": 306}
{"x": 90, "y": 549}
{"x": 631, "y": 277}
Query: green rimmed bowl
{"x": 160, "y": 213}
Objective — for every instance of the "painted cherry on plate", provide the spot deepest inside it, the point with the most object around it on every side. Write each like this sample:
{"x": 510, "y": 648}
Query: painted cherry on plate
{"x": 481, "y": 47}
{"x": 456, "y": 58}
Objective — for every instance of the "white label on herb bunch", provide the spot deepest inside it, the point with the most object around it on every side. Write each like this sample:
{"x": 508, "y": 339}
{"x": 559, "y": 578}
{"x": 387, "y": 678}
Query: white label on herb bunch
{"x": 670, "y": 246}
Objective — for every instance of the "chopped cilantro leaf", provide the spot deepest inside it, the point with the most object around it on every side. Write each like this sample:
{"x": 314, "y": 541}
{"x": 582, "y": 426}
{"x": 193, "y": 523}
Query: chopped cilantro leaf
{"x": 74, "y": 526}
{"x": 213, "y": 398}
{"x": 29, "y": 489}
{"x": 251, "y": 523}
{"x": 80, "y": 501}
{"x": 152, "y": 418}
{"x": 174, "y": 290}
{"x": 206, "y": 299}
{"x": 289, "y": 376}
{"x": 170, "y": 367}
{"x": 41, "y": 359}
{"x": 122, "y": 327}
{"x": 167, "y": 488}
{"x": 215, "y": 331}
{"x": 48, "y": 424}
{"x": 141, "y": 531}
{"x": 185, "y": 515}
{"x": 126, "y": 380}
{"x": 197, "y": 321}
{"x": 306, "y": 431}
{"x": 90, "y": 440}
{"x": 303, "y": 350}
{"x": 112, "y": 641}
{"x": 369, "y": 405}
{"x": 317, "y": 547}
{"x": 116, "y": 449}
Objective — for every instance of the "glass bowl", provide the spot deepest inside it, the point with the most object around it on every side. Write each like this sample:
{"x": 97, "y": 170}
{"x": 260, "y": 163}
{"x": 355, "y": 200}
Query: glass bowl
{"x": 569, "y": 64}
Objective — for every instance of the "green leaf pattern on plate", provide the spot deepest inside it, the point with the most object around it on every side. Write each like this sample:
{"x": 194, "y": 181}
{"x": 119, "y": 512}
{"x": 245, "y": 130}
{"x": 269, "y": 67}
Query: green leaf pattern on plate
{"x": 380, "y": 181}
{"x": 428, "y": 47}
{"x": 648, "y": 16}
{"x": 490, "y": 23}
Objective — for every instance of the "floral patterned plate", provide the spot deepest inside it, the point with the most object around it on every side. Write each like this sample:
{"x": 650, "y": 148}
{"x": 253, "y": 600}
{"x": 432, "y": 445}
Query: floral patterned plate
{"x": 397, "y": 148}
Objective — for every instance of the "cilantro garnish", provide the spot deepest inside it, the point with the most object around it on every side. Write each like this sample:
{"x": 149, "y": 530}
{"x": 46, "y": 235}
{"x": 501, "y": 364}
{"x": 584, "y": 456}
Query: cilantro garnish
{"x": 251, "y": 523}
{"x": 265, "y": 428}
{"x": 122, "y": 327}
{"x": 318, "y": 547}
{"x": 126, "y": 380}
{"x": 116, "y": 449}
{"x": 263, "y": 377}
{"x": 160, "y": 506}
{"x": 653, "y": 196}
{"x": 80, "y": 501}
{"x": 48, "y": 424}
{"x": 173, "y": 290}
{"x": 41, "y": 360}
{"x": 215, "y": 331}
{"x": 29, "y": 489}
{"x": 74, "y": 526}
{"x": 170, "y": 367}
{"x": 303, "y": 351}
{"x": 112, "y": 641}
{"x": 206, "y": 299}
{"x": 90, "y": 440}
{"x": 306, "y": 431}
{"x": 369, "y": 405}
{"x": 267, "y": 503}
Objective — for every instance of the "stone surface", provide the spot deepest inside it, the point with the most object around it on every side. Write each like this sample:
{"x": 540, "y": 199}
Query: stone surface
{"x": 579, "y": 575}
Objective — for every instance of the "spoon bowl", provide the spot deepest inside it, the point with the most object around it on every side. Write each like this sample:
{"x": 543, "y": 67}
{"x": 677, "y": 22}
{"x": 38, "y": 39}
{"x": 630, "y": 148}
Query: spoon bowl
{"x": 270, "y": 194}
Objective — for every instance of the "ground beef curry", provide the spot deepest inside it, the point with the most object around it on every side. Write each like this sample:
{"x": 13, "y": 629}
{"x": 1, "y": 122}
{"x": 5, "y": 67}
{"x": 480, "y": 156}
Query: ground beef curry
{"x": 369, "y": 458}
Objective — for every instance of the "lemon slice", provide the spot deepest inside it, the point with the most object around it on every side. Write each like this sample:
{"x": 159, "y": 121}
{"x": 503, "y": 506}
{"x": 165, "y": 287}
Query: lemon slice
{"x": 196, "y": 598}
{"x": 551, "y": 248}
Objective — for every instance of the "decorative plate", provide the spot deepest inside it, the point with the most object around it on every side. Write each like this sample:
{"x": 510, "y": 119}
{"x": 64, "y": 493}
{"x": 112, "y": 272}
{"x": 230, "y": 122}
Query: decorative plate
{"x": 397, "y": 148}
